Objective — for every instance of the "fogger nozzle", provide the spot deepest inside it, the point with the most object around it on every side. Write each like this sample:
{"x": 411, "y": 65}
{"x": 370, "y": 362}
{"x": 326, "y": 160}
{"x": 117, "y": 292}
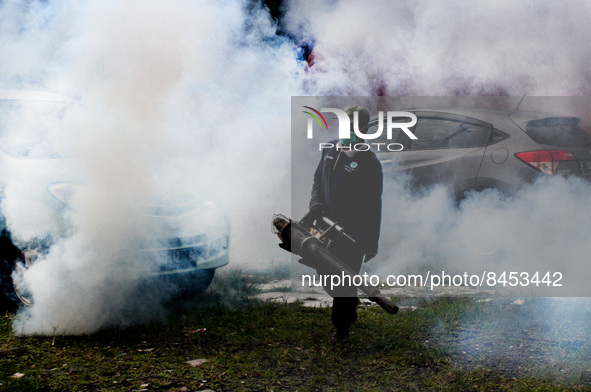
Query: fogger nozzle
{"x": 281, "y": 227}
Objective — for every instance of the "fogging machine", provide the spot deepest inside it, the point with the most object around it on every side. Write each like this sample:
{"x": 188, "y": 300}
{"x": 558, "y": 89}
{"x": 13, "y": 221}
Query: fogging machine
{"x": 311, "y": 237}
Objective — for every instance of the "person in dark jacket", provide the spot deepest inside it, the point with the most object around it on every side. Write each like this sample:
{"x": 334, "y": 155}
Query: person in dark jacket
{"x": 347, "y": 189}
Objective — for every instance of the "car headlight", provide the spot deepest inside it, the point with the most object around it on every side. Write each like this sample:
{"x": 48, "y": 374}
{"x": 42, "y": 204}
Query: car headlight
{"x": 63, "y": 191}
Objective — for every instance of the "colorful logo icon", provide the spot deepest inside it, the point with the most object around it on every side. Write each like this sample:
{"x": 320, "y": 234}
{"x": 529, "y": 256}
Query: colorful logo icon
{"x": 315, "y": 115}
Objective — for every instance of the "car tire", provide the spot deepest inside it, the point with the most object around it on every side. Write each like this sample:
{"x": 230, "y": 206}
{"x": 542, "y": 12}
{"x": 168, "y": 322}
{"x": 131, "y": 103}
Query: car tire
{"x": 9, "y": 255}
{"x": 463, "y": 194}
{"x": 196, "y": 284}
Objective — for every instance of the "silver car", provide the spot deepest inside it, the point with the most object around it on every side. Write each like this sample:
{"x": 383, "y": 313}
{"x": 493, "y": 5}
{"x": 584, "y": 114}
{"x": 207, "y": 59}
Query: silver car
{"x": 472, "y": 150}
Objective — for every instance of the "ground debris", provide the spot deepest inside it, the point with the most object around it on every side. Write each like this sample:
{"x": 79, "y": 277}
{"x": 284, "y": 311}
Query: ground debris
{"x": 197, "y": 362}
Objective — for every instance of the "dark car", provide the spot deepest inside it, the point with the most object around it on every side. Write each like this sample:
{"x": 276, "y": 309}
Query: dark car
{"x": 472, "y": 149}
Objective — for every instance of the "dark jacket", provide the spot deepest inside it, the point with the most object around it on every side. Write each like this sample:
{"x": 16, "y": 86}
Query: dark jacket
{"x": 350, "y": 192}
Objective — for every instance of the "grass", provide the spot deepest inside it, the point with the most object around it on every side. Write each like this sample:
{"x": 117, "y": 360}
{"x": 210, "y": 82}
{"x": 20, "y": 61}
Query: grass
{"x": 443, "y": 345}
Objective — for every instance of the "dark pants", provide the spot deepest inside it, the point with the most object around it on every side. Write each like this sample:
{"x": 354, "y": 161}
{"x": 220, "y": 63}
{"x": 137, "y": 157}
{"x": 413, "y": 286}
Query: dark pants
{"x": 344, "y": 312}
{"x": 345, "y": 301}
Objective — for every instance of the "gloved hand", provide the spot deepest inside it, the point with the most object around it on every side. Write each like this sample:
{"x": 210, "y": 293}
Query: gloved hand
{"x": 368, "y": 256}
{"x": 317, "y": 211}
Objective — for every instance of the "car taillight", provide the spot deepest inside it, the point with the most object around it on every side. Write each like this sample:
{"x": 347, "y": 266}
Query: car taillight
{"x": 546, "y": 160}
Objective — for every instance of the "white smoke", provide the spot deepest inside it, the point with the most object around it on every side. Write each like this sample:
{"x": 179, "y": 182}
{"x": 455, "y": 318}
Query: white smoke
{"x": 451, "y": 47}
{"x": 456, "y": 48}
{"x": 180, "y": 96}
{"x": 536, "y": 230}
{"x": 448, "y": 48}
{"x": 195, "y": 94}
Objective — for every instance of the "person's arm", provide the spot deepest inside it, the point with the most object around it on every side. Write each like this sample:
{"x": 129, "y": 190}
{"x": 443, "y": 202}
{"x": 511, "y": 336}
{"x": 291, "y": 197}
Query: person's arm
{"x": 316, "y": 201}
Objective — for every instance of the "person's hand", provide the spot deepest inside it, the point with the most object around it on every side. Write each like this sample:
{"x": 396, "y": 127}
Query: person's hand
{"x": 317, "y": 211}
{"x": 368, "y": 256}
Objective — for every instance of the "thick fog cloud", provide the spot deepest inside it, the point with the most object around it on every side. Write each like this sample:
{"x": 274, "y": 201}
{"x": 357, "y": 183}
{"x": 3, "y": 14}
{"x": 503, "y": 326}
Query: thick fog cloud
{"x": 194, "y": 96}
{"x": 536, "y": 230}
{"x": 182, "y": 96}
{"x": 446, "y": 47}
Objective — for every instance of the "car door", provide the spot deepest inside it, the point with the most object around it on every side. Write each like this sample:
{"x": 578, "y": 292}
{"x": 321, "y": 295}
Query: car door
{"x": 386, "y": 148}
{"x": 449, "y": 149}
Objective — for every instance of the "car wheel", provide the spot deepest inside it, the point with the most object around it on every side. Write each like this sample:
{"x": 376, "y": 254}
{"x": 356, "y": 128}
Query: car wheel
{"x": 464, "y": 194}
{"x": 9, "y": 254}
{"x": 196, "y": 283}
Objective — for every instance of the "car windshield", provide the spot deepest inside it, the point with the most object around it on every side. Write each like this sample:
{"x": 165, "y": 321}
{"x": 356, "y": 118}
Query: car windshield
{"x": 30, "y": 129}
{"x": 558, "y": 131}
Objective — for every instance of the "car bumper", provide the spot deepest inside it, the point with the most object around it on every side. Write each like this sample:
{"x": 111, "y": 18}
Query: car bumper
{"x": 215, "y": 262}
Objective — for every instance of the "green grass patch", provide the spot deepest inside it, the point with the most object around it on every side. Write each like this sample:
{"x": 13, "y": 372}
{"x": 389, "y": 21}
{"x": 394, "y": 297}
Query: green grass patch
{"x": 442, "y": 345}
